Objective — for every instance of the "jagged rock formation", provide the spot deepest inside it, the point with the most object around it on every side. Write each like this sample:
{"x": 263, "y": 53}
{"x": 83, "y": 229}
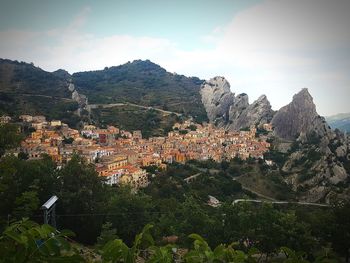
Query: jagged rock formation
{"x": 81, "y": 99}
{"x": 299, "y": 118}
{"x": 217, "y": 99}
{"x": 243, "y": 114}
{"x": 319, "y": 167}
{"x": 233, "y": 113}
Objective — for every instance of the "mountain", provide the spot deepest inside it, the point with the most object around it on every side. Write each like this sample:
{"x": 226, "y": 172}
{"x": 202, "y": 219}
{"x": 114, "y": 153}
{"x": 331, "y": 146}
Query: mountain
{"x": 317, "y": 163}
{"x": 224, "y": 109}
{"x": 142, "y": 83}
{"x": 340, "y": 121}
{"x": 299, "y": 118}
{"x": 217, "y": 98}
{"x": 26, "y": 89}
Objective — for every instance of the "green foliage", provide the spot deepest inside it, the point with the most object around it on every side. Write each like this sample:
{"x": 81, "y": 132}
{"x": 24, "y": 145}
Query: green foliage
{"x": 118, "y": 251}
{"x": 313, "y": 138}
{"x": 26, "y": 204}
{"x": 144, "y": 83}
{"x": 294, "y": 257}
{"x": 304, "y": 176}
{"x": 107, "y": 234}
{"x": 149, "y": 121}
{"x": 26, "y": 241}
{"x": 340, "y": 234}
{"x": 202, "y": 253}
{"x": 192, "y": 127}
{"x": 68, "y": 140}
{"x": 161, "y": 254}
{"x": 172, "y": 205}
{"x": 278, "y": 157}
{"x": 10, "y": 137}
{"x": 26, "y": 89}
{"x": 81, "y": 192}
{"x": 128, "y": 212}
{"x": 24, "y": 183}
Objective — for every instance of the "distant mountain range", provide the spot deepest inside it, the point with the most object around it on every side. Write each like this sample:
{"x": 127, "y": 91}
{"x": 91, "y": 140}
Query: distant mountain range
{"x": 340, "y": 121}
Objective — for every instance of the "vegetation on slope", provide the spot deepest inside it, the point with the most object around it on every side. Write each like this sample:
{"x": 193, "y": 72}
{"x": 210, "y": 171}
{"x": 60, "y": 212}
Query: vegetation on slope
{"x": 143, "y": 83}
{"x": 128, "y": 117}
{"x": 173, "y": 206}
{"x": 26, "y": 89}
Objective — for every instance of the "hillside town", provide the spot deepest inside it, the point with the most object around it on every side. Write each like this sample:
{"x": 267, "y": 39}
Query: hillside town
{"x": 121, "y": 156}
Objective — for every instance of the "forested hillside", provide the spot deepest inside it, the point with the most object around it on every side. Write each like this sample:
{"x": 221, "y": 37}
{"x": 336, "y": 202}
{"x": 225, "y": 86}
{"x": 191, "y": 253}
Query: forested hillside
{"x": 143, "y": 83}
{"x": 26, "y": 89}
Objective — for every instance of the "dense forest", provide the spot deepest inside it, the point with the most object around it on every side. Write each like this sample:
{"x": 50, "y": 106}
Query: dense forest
{"x": 100, "y": 215}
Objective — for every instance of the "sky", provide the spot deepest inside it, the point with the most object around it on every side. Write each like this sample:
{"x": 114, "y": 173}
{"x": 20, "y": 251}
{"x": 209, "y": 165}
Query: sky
{"x": 271, "y": 47}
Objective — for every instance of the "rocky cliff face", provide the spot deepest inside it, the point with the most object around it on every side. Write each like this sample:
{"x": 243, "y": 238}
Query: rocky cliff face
{"x": 217, "y": 99}
{"x": 318, "y": 167}
{"x": 243, "y": 114}
{"x": 299, "y": 118}
{"x": 233, "y": 113}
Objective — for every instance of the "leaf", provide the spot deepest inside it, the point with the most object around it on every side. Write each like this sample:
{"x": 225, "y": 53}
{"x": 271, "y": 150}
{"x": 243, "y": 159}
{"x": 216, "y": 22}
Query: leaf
{"x": 16, "y": 237}
{"x": 115, "y": 250}
{"x": 67, "y": 233}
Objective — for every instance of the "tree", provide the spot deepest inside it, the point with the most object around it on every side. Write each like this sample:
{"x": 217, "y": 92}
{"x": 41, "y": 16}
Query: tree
{"x": 193, "y": 219}
{"x": 202, "y": 253}
{"x": 340, "y": 234}
{"x": 118, "y": 251}
{"x": 10, "y": 137}
{"x": 107, "y": 234}
{"x": 26, "y": 204}
{"x": 82, "y": 197}
{"x": 129, "y": 212}
{"x": 24, "y": 185}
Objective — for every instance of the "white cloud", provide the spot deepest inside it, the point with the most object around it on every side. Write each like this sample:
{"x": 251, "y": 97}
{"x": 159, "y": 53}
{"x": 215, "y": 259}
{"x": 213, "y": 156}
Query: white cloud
{"x": 275, "y": 48}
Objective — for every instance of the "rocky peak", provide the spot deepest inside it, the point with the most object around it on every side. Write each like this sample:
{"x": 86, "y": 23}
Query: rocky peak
{"x": 262, "y": 99}
{"x": 234, "y": 113}
{"x": 242, "y": 114}
{"x": 299, "y": 117}
{"x": 217, "y": 98}
{"x": 241, "y": 101}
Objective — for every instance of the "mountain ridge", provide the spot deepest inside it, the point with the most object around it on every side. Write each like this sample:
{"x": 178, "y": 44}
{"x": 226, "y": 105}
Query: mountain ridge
{"x": 340, "y": 121}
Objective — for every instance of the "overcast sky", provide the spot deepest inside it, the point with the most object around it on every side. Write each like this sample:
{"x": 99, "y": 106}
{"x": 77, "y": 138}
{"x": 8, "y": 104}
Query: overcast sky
{"x": 273, "y": 47}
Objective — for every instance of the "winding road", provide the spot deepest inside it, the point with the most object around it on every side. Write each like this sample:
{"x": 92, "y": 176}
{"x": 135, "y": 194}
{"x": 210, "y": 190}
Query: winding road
{"x": 279, "y": 202}
{"x": 105, "y": 106}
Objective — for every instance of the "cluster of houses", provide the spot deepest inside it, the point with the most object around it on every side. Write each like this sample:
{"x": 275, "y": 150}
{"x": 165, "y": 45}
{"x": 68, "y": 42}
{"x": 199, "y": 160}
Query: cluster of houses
{"x": 121, "y": 156}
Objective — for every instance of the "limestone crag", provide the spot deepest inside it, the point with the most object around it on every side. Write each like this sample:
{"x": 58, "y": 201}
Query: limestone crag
{"x": 81, "y": 99}
{"x": 217, "y": 99}
{"x": 243, "y": 114}
{"x": 299, "y": 118}
{"x": 233, "y": 113}
{"x": 319, "y": 169}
